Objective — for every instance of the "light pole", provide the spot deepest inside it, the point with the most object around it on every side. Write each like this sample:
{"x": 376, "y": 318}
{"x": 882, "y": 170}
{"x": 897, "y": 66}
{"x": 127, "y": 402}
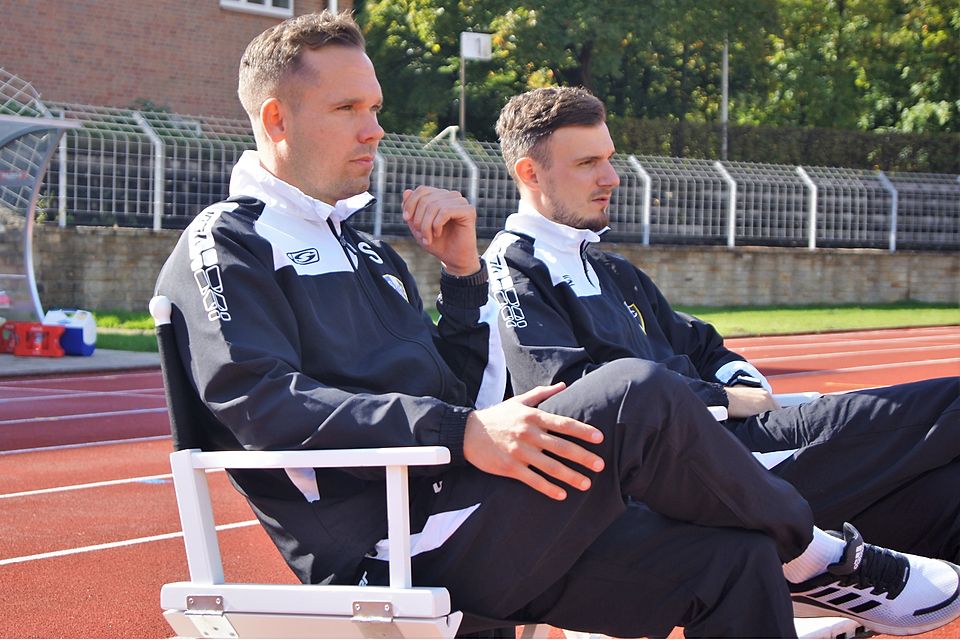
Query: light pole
{"x": 473, "y": 46}
{"x": 725, "y": 99}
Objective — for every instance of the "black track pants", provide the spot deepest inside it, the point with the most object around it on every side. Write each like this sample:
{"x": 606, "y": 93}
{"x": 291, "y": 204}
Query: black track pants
{"x": 705, "y": 553}
{"x": 884, "y": 459}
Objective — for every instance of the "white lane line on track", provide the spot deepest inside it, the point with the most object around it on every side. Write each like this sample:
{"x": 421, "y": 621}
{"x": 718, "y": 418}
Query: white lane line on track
{"x": 869, "y": 367}
{"x": 119, "y": 543}
{"x": 81, "y": 416}
{"x": 866, "y": 334}
{"x": 844, "y": 354}
{"x": 93, "y": 485}
{"x": 80, "y": 376}
{"x": 148, "y": 392}
{"x": 83, "y": 445}
{"x": 838, "y": 343}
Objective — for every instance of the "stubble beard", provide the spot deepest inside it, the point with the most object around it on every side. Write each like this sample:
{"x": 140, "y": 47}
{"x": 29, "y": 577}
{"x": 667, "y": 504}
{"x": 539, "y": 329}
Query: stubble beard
{"x": 351, "y": 186}
{"x": 566, "y": 216}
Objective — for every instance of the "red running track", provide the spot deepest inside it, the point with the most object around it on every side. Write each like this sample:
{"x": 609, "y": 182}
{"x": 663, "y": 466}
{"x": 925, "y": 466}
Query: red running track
{"x": 88, "y": 520}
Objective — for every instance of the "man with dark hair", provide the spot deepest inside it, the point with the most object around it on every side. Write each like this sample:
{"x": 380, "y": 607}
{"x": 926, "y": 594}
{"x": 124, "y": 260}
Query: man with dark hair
{"x": 300, "y": 332}
{"x": 885, "y": 459}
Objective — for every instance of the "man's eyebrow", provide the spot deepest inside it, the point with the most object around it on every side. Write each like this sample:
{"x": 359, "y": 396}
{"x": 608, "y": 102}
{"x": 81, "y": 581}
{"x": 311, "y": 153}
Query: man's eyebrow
{"x": 595, "y": 156}
{"x": 353, "y": 101}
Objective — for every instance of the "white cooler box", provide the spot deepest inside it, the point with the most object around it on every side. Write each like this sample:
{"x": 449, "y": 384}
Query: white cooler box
{"x": 80, "y": 336}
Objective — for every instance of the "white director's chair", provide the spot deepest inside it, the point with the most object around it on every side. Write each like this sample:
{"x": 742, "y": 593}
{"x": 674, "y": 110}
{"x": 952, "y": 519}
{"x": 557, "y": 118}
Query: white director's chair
{"x": 208, "y": 607}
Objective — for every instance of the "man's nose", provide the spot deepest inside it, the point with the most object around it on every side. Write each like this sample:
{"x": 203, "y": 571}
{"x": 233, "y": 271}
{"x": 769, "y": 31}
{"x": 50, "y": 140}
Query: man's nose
{"x": 372, "y": 131}
{"x": 609, "y": 176}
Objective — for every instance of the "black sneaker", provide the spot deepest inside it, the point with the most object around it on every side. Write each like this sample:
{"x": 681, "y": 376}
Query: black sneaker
{"x": 886, "y": 591}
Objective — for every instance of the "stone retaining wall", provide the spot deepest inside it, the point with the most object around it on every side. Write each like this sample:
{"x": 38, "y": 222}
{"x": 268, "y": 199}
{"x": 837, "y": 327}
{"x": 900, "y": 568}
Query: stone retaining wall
{"x": 115, "y": 268}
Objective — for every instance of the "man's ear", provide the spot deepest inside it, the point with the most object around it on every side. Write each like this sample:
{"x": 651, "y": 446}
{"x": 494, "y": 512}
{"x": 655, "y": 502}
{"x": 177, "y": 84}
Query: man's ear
{"x": 526, "y": 171}
{"x": 272, "y": 119}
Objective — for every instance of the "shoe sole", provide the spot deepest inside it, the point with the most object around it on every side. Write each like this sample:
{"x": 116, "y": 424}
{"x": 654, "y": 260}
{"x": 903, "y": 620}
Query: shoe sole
{"x": 804, "y": 610}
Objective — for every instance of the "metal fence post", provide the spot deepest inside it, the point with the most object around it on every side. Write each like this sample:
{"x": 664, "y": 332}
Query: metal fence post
{"x": 731, "y": 203}
{"x": 894, "y": 203}
{"x": 472, "y": 169}
{"x": 811, "y": 208}
{"x": 158, "y": 167}
{"x": 380, "y": 180}
{"x": 645, "y": 206}
{"x": 62, "y": 178}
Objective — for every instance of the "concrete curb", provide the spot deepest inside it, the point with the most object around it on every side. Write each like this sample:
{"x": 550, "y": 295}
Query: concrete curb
{"x": 100, "y": 360}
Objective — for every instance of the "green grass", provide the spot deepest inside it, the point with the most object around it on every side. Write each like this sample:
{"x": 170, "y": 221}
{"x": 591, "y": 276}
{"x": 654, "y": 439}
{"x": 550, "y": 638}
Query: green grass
{"x": 125, "y": 330}
{"x": 126, "y": 340}
{"x": 131, "y": 331}
{"x": 124, "y": 320}
{"x": 758, "y": 321}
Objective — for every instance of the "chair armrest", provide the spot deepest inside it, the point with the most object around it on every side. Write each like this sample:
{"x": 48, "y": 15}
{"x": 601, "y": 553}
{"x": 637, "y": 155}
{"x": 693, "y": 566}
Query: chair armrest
{"x": 795, "y": 399}
{"x": 196, "y": 512}
{"x": 380, "y": 457}
{"x": 719, "y": 413}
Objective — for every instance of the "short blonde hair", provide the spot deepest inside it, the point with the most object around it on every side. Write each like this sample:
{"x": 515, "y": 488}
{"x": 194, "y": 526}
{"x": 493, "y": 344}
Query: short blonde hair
{"x": 275, "y": 54}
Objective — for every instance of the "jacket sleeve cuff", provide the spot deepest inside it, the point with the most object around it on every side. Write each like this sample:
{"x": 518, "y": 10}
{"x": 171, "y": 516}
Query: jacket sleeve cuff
{"x": 467, "y": 292}
{"x": 728, "y": 373}
{"x": 452, "y": 429}
{"x": 713, "y": 395}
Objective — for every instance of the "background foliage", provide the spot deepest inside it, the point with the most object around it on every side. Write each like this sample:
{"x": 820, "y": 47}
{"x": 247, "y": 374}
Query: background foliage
{"x": 823, "y": 72}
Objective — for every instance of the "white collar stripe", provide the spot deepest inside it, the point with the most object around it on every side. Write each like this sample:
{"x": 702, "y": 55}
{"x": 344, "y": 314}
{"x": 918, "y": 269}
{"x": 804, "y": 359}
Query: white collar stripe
{"x": 558, "y": 247}
{"x": 250, "y": 179}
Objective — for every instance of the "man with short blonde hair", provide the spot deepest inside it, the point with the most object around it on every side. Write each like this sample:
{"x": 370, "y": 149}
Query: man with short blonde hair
{"x": 277, "y": 52}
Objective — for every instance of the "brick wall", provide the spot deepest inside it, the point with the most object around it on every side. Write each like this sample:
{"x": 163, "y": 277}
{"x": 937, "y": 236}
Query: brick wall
{"x": 115, "y": 268}
{"x": 180, "y": 55}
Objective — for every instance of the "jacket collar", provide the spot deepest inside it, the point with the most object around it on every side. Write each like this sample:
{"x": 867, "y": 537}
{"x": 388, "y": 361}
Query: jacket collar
{"x": 530, "y": 222}
{"x": 249, "y": 178}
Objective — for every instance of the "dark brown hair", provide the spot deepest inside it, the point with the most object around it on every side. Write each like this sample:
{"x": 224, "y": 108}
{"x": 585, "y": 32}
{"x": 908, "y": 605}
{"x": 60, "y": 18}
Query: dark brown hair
{"x": 527, "y": 120}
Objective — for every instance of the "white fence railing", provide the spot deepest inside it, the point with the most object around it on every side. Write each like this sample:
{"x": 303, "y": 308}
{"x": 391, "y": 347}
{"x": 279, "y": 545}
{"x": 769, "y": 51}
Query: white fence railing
{"x": 149, "y": 169}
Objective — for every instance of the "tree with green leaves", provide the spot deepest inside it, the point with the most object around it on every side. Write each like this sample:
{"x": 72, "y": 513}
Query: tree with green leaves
{"x": 854, "y": 64}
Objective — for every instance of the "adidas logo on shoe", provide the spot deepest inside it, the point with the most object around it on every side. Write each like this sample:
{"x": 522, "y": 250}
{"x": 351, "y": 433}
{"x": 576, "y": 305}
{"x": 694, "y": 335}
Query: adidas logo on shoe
{"x": 886, "y": 591}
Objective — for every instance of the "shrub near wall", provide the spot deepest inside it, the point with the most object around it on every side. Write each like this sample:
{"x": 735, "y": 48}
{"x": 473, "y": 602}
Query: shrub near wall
{"x": 115, "y": 268}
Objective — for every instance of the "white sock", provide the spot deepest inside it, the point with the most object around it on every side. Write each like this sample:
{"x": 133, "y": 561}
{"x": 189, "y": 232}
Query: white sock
{"x": 823, "y": 550}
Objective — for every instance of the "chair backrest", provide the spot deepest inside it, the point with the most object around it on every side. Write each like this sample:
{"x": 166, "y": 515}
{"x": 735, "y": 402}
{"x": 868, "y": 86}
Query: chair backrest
{"x": 189, "y": 417}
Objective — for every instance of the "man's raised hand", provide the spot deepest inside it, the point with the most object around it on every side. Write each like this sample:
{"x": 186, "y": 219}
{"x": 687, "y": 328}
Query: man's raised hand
{"x": 445, "y": 224}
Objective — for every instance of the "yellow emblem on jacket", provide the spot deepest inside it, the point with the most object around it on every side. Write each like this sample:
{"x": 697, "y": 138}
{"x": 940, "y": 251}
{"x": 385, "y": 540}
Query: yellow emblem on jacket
{"x": 635, "y": 312}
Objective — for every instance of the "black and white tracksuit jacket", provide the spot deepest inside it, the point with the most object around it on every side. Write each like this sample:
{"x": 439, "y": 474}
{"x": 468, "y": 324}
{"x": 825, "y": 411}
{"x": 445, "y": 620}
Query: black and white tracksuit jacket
{"x": 567, "y": 308}
{"x": 300, "y": 332}
{"x": 886, "y": 459}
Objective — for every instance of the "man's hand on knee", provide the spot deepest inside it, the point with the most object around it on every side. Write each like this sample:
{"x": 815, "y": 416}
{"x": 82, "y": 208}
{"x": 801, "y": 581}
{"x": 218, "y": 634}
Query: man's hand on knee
{"x": 511, "y": 439}
{"x": 749, "y": 401}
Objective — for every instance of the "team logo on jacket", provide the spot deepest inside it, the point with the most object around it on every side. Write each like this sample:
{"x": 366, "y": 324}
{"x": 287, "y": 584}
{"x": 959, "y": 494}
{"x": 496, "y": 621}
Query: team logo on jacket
{"x": 396, "y": 284}
{"x": 635, "y": 312}
{"x": 368, "y": 251}
{"x": 304, "y": 256}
